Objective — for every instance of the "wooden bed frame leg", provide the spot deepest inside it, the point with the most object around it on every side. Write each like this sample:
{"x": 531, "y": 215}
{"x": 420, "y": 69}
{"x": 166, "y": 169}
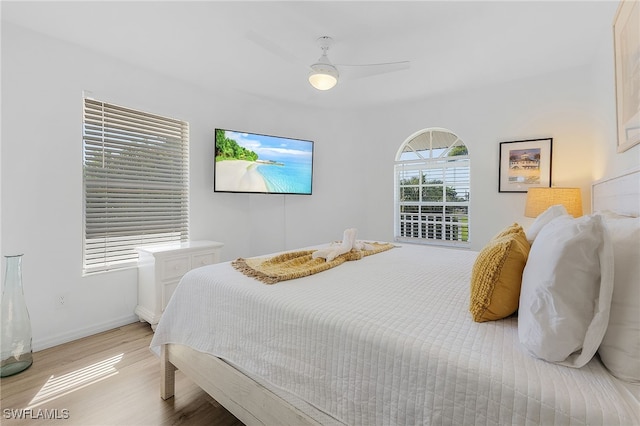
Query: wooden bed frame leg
{"x": 167, "y": 374}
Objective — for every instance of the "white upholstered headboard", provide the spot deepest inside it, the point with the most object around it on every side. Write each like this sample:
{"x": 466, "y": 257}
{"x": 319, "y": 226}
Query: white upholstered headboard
{"x": 620, "y": 194}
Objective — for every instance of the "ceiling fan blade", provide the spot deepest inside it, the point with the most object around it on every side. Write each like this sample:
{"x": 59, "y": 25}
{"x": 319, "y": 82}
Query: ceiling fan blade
{"x": 271, "y": 47}
{"x": 368, "y": 70}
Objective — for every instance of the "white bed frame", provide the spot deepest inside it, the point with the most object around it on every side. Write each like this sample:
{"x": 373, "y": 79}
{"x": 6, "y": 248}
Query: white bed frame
{"x": 250, "y": 402}
{"x": 254, "y": 404}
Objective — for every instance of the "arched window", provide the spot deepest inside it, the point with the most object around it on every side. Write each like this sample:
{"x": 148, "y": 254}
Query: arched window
{"x": 432, "y": 185}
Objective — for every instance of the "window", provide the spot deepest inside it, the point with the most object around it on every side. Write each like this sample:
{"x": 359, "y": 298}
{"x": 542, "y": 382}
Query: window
{"x": 135, "y": 180}
{"x": 432, "y": 181}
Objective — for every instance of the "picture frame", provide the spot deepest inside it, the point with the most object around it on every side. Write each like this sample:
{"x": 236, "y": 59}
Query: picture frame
{"x": 626, "y": 43}
{"x": 525, "y": 164}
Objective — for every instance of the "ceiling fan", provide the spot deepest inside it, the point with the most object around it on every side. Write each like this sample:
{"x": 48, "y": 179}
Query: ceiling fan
{"x": 323, "y": 74}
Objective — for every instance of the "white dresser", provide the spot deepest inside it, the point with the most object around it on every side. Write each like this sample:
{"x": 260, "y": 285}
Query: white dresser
{"x": 160, "y": 269}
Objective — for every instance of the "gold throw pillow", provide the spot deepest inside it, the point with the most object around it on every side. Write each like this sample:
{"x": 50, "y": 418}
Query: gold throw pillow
{"x": 497, "y": 276}
{"x": 511, "y": 229}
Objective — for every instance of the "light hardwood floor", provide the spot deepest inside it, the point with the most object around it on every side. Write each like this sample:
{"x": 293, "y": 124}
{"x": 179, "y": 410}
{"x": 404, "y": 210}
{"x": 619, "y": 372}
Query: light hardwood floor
{"x": 108, "y": 379}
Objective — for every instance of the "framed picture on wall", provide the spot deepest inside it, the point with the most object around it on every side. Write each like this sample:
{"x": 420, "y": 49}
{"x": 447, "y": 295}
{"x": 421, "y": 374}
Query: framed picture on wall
{"x": 626, "y": 43}
{"x": 524, "y": 164}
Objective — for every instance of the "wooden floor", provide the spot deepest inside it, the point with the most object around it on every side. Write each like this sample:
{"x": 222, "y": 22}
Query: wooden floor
{"x": 108, "y": 379}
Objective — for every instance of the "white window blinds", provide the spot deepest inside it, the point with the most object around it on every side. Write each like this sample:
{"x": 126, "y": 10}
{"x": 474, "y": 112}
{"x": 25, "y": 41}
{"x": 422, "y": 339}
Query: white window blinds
{"x": 136, "y": 183}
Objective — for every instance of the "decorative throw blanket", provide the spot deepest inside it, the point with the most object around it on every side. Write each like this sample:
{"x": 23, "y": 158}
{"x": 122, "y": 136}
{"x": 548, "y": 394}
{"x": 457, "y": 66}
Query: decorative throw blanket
{"x": 297, "y": 264}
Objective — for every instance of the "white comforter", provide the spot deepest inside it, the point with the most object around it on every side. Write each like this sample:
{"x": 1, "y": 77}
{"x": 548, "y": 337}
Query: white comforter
{"x": 386, "y": 340}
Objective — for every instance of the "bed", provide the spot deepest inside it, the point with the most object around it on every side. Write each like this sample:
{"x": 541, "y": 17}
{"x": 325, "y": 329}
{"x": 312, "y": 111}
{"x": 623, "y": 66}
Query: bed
{"x": 387, "y": 339}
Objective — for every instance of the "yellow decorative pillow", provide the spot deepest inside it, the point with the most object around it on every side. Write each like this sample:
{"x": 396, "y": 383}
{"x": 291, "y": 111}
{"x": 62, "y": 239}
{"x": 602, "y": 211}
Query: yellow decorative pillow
{"x": 497, "y": 276}
{"x": 511, "y": 229}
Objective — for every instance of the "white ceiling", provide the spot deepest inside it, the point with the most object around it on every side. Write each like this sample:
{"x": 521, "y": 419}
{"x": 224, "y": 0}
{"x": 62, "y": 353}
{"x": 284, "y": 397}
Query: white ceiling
{"x": 264, "y": 48}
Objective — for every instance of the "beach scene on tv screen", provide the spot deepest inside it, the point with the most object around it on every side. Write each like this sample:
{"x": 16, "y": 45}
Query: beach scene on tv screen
{"x": 247, "y": 162}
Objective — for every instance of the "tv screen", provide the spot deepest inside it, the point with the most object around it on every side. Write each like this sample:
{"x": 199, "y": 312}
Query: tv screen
{"x": 254, "y": 163}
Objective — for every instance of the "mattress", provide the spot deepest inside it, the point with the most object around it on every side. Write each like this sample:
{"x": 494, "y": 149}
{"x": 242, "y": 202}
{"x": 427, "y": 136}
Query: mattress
{"x": 387, "y": 340}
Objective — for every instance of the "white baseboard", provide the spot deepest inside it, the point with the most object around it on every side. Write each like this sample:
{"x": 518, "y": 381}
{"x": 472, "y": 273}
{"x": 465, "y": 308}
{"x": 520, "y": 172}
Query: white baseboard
{"x": 59, "y": 339}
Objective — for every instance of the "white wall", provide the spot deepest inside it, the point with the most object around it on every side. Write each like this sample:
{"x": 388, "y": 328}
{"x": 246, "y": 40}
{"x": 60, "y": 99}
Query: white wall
{"x": 575, "y": 107}
{"x": 42, "y": 86}
{"x": 41, "y": 186}
{"x": 608, "y": 162}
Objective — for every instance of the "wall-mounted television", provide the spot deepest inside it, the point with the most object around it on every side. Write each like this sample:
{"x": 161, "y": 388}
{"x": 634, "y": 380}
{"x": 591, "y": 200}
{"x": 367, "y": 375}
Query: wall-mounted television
{"x": 263, "y": 164}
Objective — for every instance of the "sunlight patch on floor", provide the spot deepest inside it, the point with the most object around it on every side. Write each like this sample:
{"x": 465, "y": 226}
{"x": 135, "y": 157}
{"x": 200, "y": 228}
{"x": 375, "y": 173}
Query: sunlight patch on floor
{"x": 75, "y": 380}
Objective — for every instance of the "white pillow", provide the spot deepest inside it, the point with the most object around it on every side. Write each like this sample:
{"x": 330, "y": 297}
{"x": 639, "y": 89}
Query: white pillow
{"x": 566, "y": 291}
{"x": 545, "y": 217}
{"x": 620, "y": 348}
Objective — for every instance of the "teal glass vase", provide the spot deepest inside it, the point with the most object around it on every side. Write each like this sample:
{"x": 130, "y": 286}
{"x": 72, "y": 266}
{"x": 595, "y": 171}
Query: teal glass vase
{"x": 15, "y": 344}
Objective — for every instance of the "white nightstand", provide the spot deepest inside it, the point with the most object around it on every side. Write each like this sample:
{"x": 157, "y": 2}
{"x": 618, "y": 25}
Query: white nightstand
{"x": 160, "y": 269}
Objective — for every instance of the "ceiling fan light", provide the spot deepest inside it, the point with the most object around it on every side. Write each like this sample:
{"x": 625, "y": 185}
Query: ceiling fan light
{"x": 323, "y": 76}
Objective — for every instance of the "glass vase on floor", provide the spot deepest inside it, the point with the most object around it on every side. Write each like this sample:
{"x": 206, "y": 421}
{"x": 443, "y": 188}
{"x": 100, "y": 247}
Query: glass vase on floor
{"x": 15, "y": 344}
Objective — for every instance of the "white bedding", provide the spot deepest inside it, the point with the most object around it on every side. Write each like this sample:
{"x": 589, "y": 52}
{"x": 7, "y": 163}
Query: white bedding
{"x": 387, "y": 340}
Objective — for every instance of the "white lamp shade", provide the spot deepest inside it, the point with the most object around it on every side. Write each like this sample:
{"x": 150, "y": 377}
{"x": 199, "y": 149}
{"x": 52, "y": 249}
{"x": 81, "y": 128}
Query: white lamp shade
{"x": 323, "y": 76}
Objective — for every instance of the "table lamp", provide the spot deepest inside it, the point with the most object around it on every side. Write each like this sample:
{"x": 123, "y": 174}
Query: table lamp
{"x": 540, "y": 199}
